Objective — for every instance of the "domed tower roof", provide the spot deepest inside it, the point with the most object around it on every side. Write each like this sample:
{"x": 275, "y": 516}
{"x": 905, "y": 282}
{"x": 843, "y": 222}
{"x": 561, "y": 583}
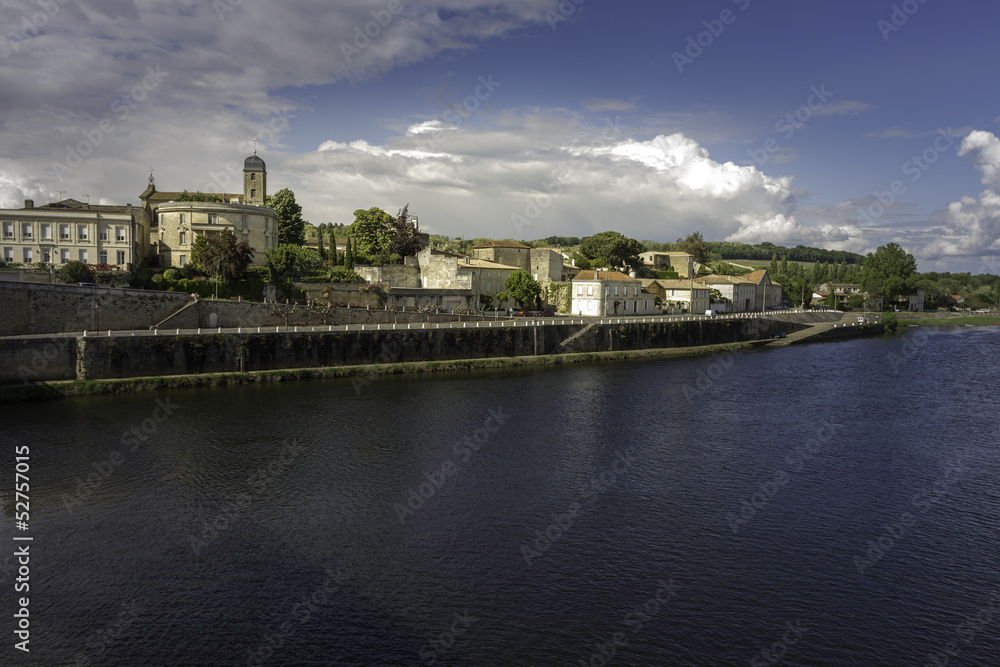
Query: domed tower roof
{"x": 253, "y": 163}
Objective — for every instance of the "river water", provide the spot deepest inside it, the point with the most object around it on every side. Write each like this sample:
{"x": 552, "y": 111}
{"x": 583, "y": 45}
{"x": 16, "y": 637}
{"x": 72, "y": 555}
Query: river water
{"x": 831, "y": 504}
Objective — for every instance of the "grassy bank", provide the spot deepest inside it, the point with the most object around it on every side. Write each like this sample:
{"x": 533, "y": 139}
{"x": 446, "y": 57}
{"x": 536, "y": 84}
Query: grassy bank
{"x": 949, "y": 321}
{"x": 16, "y": 393}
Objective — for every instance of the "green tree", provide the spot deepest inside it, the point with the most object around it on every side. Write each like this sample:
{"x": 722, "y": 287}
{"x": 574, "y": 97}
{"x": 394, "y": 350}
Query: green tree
{"x": 75, "y": 271}
{"x": 291, "y": 226}
{"x": 198, "y": 196}
{"x": 774, "y": 265}
{"x": 371, "y": 231}
{"x": 582, "y": 262}
{"x": 349, "y": 255}
{"x": 485, "y": 300}
{"x": 222, "y": 256}
{"x": 521, "y": 287}
{"x": 612, "y": 249}
{"x": 695, "y": 245}
{"x": 405, "y": 238}
{"x": 887, "y": 273}
{"x": 855, "y": 301}
{"x": 784, "y": 266}
{"x": 890, "y": 322}
{"x": 319, "y": 243}
{"x": 289, "y": 261}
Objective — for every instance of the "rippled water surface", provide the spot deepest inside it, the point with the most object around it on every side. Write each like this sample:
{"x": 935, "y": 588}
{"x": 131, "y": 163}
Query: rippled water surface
{"x": 834, "y": 504}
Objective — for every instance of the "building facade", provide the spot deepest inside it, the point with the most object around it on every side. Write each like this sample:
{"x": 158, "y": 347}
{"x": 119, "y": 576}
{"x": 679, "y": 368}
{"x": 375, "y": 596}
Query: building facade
{"x": 607, "y": 293}
{"x": 679, "y": 296}
{"x": 504, "y": 252}
{"x": 681, "y": 262}
{"x": 69, "y": 230}
{"x": 174, "y": 225}
{"x": 741, "y": 293}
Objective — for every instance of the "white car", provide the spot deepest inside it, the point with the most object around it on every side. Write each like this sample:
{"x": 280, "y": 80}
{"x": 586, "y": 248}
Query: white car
{"x": 862, "y": 320}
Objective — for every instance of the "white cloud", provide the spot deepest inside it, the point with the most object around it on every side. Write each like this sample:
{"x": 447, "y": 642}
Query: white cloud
{"x": 842, "y": 108}
{"x": 971, "y": 227}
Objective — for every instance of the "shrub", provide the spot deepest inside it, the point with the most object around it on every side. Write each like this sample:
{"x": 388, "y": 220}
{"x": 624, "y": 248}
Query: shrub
{"x": 341, "y": 274}
{"x": 75, "y": 272}
{"x": 890, "y": 322}
{"x": 171, "y": 274}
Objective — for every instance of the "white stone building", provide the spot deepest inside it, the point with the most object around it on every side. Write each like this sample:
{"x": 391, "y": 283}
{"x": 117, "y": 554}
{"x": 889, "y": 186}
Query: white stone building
{"x": 608, "y": 293}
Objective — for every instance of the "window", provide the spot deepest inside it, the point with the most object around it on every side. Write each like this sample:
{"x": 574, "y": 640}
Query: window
{"x": 182, "y": 218}
{"x": 120, "y": 260}
{"x": 25, "y": 230}
{"x": 102, "y": 257}
{"x": 46, "y": 255}
{"x": 8, "y": 230}
{"x": 64, "y": 256}
{"x": 81, "y": 232}
{"x": 183, "y": 238}
{"x": 47, "y": 231}
{"x": 213, "y": 218}
{"x": 120, "y": 234}
{"x": 8, "y": 254}
{"x": 243, "y": 221}
{"x": 184, "y": 260}
{"x": 83, "y": 256}
{"x": 253, "y": 194}
{"x": 489, "y": 286}
{"x": 253, "y": 176}
{"x": 64, "y": 232}
{"x": 590, "y": 290}
{"x": 616, "y": 290}
{"x": 246, "y": 237}
{"x": 579, "y": 290}
{"x": 102, "y": 233}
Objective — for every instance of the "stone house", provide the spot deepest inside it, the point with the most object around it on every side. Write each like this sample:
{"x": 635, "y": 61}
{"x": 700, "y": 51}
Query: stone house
{"x": 681, "y": 262}
{"x": 742, "y": 293}
{"x": 676, "y": 295}
{"x": 607, "y": 293}
{"x": 174, "y": 225}
{"x": 70, "y": 230}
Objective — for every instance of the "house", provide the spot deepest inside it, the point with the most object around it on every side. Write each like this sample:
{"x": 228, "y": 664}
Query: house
{"x": 69, "y": 230}
{"x": 445, "y": 270}
{"x": 174, "y": 225}
{"x": 510, "y": 253}
{"x": 681, "y": 262}
{"x": 604, "y": 293}
{"x": 676, "y": 295}
{"x": 767, "y": 294}
{"x": 741, "y": 292}
{"x": 915, "y": 302}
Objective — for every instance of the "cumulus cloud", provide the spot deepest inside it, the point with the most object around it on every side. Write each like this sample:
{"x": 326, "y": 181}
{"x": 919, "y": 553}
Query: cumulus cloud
{"x": 77, "y": 80}
{"x": 970, "y": 227}
{"x": 540, "y": 172}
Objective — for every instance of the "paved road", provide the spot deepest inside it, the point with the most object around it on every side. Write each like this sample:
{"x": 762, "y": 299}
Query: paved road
{"x": 516, "y": 322}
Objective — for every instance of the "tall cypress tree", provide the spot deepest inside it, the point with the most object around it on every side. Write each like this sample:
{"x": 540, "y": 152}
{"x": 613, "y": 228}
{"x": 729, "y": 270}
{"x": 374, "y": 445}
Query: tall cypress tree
{"x": 349, "y": 255}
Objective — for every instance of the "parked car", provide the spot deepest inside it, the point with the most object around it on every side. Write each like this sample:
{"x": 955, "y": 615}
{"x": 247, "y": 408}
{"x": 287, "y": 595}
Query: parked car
{"x": 862, "y": 320}
{"x": 780, "y": 334}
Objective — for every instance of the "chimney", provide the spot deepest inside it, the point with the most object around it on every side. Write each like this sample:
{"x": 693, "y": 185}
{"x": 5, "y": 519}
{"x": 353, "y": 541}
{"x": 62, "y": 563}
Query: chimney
{"x": 29, "y": 203}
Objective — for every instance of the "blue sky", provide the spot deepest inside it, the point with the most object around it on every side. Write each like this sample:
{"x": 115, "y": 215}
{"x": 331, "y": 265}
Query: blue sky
{"x": 842, "y": 125}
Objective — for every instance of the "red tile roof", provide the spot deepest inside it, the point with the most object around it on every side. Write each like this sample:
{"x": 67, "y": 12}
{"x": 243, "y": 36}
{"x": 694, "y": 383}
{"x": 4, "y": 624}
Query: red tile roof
{"x": 603, "y": 275}
{"x": 501, "y": 244}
